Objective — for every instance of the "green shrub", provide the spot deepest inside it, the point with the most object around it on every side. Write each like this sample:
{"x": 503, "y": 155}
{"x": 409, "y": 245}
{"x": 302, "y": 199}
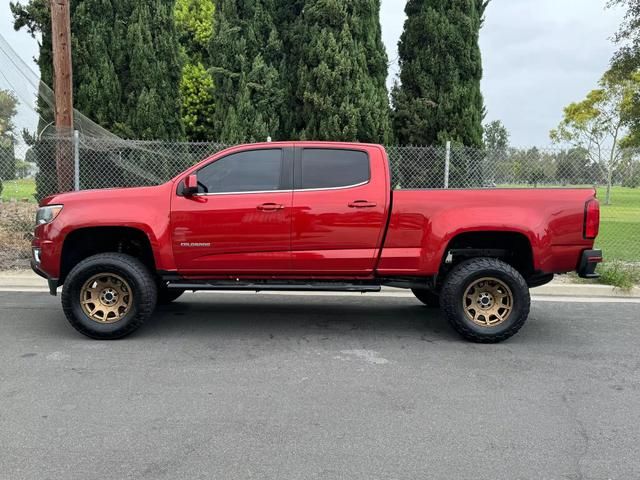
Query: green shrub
{"x": 619, "y": 274}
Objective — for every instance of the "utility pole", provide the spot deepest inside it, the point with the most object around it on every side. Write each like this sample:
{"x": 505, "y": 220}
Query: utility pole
{"x": 63, "y": 91}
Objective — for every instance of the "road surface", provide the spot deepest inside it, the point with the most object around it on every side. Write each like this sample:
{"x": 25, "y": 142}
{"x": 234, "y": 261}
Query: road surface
{"x": 319, "y": 387}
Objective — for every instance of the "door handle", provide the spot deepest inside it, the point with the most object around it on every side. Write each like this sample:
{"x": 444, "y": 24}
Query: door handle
{"x": 363, "y": 204}
{"x": 270, "y": 207}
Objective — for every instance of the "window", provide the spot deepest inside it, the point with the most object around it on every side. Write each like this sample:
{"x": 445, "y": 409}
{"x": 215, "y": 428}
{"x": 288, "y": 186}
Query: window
{"x": 332, "y": 168}
{"x": 250, "y": 171}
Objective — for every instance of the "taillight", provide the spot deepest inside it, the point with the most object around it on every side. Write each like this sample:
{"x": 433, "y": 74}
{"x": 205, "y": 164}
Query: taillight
{"x": 591, "y": 219}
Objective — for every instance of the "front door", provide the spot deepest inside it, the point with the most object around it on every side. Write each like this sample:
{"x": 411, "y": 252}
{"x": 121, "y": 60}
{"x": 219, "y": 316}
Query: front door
{"x": 240, "y": 221}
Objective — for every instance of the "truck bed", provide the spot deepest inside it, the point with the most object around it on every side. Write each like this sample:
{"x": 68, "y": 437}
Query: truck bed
{"x": 424, "y": 222}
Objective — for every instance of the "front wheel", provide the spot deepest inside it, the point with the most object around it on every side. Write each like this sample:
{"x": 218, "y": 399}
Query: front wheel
{"x": 109, "y": 296}
{"x": 485, "y": 300}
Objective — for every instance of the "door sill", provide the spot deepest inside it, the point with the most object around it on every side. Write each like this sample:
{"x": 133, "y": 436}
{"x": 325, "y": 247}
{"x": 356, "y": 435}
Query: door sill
{"x": 267, "y": 285}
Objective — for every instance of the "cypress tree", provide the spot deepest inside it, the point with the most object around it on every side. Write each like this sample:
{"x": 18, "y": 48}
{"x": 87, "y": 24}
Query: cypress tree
{"x": 126, "y": 68}
{"x": 339, "y": 69}
{"x": 95, "y": 76}
{"x": 246, "y": 57}
{"x": 151, "y": 95}
{"x": 439, "y": 96}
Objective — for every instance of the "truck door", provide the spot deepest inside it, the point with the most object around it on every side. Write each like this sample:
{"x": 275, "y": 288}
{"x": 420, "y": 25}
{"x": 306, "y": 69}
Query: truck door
{"x": 340, "y": 206}
{"x": 239, "y": 222}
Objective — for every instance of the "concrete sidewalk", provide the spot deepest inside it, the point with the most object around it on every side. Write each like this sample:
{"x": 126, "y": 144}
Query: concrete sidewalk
{"x": 27, "y": 281}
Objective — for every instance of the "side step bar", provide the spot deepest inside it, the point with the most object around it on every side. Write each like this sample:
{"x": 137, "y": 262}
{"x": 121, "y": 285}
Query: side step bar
{"x": 289, "y": 287}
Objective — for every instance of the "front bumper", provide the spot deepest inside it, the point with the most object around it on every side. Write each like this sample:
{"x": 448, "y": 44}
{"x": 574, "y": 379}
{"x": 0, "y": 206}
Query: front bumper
{"x": 52, "y": 282}
{"x": 588, "y": 263}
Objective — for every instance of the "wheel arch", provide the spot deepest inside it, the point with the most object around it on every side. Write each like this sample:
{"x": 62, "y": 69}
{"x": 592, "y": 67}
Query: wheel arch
{"x": 511, "y": 246}
{"x": 84, "y": 242}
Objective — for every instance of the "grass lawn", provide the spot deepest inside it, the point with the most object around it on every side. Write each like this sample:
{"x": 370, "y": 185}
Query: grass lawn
{"x": 19, "y": 189}
{"x": 620, "y": 224}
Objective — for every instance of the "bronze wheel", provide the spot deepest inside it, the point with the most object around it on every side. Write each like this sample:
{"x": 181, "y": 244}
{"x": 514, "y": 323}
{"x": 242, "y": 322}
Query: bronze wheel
{"x": 488, "y": 302}
{"x": 106, "y": 298}
{"x": 109, "y": 295}
{"x": 485, "y": 300}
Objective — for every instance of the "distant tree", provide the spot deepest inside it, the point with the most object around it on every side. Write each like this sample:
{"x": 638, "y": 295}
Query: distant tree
{"x": 7, "y": 158}
{"x": 528, "y": 166}
{"x": 573, "y": 167}
{"x": 194, "y": 21}
{"x": 496, "y": 142}
{"x": 438, "y": 98}
{"x": 22, "y": 168}
{"x": 198, "y": 103}
{"x": 599, "y": 123}
{"x": 628, "y": 170}
{"x": 626, "y": 59}
{"x": 496, "y": 136}
{"x": 8, "y": 110}
{"x": 338, "y": 68}
{"x": 245, "y": 53}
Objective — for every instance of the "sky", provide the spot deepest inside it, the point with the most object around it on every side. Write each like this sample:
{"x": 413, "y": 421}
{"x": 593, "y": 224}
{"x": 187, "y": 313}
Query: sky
{"x": 538, "y": 56}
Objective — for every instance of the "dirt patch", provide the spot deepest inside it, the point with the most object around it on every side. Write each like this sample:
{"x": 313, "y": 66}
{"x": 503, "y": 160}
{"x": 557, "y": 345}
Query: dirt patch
{"x": 16, "y": 224}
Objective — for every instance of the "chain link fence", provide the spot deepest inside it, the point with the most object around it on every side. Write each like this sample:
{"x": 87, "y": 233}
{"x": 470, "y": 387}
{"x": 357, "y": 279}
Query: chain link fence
{"x": 29, "y": 172}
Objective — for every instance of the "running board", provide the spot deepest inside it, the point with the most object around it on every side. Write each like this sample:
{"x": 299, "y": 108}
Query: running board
{"x": 287, "y": 287}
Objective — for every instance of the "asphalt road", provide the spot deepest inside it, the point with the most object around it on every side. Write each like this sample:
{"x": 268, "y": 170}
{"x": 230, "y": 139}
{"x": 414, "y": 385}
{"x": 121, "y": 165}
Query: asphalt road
{"x": 318, "y": 387}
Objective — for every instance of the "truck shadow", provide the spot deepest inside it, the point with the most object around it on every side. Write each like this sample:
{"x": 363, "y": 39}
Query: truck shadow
{"x": 297, "y": 316}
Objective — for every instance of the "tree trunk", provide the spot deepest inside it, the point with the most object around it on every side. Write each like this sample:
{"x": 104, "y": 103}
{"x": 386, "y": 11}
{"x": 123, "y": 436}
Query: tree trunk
{"x": 609, "y": 180}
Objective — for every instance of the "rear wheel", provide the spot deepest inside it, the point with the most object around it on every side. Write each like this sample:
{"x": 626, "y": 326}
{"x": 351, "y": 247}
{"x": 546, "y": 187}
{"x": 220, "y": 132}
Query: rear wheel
{"x": 109, "y": 296}
{"x": 428, "y": 297}
{"x": 485, "y": 300}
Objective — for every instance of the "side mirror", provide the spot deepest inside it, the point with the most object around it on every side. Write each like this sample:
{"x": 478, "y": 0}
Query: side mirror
{"x": 190, "y": 185}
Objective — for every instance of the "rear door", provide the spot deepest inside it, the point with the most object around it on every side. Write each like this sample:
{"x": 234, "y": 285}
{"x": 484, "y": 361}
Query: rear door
{"x": 340, "y": 203}
{"x": 239, "y": 223}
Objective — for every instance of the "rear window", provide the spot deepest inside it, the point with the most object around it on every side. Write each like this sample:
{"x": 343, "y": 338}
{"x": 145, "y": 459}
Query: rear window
{"x": 326, "y": 168}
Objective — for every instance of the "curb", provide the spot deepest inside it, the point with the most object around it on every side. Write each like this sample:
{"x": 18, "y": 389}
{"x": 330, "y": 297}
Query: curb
{"x": 22, "y": 281}
{"x": 554, "y": 289}
{"x": 29, "y": 281}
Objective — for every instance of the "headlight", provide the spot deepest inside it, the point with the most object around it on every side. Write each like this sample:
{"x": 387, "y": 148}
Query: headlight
{"x": 47, "y": 214}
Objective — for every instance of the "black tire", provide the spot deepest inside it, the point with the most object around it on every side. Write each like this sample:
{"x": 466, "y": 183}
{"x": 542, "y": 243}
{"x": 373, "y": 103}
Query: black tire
{"x": 143, "y": 295}
{"x": 461, "y": 278}
{"x": 168, "y": 295}
{"x": 428, "y": 297}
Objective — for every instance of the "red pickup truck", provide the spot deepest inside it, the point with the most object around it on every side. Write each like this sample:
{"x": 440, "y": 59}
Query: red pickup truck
{"x": 310, "y": 216}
